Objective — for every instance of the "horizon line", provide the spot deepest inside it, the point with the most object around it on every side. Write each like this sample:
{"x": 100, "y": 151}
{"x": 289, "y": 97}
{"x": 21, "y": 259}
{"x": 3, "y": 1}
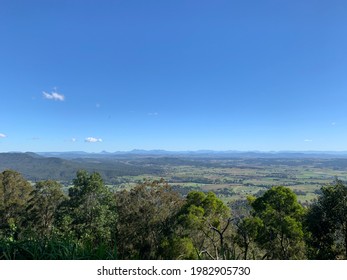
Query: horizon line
{"x": 185, "y": 151}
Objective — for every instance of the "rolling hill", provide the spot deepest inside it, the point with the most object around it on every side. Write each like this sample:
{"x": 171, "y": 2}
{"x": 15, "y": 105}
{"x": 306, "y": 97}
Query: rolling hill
{"x": 35, "y": 167}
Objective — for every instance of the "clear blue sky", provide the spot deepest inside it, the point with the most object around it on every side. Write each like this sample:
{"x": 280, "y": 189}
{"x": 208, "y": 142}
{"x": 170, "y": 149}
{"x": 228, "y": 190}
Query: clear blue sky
{"x": 176, "y": 75}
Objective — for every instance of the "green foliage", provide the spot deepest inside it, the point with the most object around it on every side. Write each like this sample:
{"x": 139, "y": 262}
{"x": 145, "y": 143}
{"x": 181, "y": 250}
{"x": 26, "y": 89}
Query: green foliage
{"x": 14, "y": 194}
{"x": 327, "y": 223}
{"x": 178, "y": 248}
{"x": 153, "y": 221}
{"x": 42, "y": 208}
{"x": 90, "y": 209}
{"x": 278, "y": 216}
{"x": 205, "y": 219}
{"x": 247, "y": 232}
{"x": 53, "y": 226}
{"x": 53, "y": 248}
{"x": 145, "y": 220}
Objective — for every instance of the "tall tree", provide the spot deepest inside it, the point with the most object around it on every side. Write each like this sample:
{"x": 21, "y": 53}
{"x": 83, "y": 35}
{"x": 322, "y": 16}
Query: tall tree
{"x": 247, "y": 232}
{"x": 90, "y": 209}
{"x": 207, "y": 221}
{"x": 46, "y": 197}
{"x": 14, "y": 194}
{"x": 145, "y": 220}
{"x": 327, "y": 223}
{"x": 279, "y": 217}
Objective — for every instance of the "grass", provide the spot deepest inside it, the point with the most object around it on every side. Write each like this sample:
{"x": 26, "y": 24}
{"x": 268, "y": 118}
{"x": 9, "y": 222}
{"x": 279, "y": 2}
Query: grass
{"x": 54, "y": 249}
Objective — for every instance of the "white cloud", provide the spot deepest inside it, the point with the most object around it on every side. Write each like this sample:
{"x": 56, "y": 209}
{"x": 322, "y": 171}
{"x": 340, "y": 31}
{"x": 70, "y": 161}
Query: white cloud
{"x": 53, "y": 96}
{"x": 308, "y": 140}
{"x": 73, "y": 139}
{"x": 92, "y": 140}
{"x": 2, "y": 135}
{"x": 153, "y": 114}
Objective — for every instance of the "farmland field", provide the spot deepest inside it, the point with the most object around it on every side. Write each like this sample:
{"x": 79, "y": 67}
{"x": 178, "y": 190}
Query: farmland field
{"x": 231, "y": 176}
{"x": 237, "y": 178}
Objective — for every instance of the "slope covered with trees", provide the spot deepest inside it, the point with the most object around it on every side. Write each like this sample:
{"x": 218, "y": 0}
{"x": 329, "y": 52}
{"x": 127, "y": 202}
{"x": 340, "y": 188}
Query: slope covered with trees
{"x": 152, "y": 221}
{"x": 35, "y": 168}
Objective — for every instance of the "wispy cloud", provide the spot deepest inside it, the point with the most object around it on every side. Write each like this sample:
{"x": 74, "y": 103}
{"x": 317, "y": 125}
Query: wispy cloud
{"x": 54, "y": 95}
{"x": 333, "y": 123}
{"x": 92, "y": 140}
{"x": 153, "y": 114}
{"x": 73, "y": 139}
{"x": 308, "y": 140}
{"x": 2, "y": 135}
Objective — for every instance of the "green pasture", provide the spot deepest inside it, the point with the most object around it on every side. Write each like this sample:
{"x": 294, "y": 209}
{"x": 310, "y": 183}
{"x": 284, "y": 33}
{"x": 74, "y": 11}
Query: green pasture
{"x": 244, "y": 179}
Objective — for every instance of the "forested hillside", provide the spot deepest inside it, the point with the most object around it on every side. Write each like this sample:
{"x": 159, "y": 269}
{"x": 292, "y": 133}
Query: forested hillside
{"x": 35, "y": 167}
{"x": 153, "y": 221}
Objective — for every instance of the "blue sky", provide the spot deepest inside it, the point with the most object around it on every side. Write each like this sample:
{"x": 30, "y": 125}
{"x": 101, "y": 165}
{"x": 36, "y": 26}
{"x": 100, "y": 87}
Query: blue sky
{"x": 175, "y": 75}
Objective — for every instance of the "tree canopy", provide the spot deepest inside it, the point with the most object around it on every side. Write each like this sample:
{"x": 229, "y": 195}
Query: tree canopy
{"x": 279, "y": 216}
{"x": 327, "y": 223}
{"x": 152, "y": 221}
{"x": 15, "y": 192}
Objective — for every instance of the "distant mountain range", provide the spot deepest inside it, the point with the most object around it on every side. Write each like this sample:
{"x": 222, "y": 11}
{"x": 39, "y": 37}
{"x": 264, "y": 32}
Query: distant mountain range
{"x": 201, "y": 153}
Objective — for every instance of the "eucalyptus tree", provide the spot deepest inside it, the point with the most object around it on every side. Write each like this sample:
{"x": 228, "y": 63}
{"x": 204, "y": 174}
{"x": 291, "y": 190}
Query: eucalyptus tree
{"x": 146, "y": 224}
{"x": 90, "y": 210}
{"x": 247, "y": 232}
{"x": 206, "y": 220}
{"x": 43, "y": 205}
{"x": 14, "y": 194}
{"x": 327, "y": 223}
{"x": 278, "y": 216}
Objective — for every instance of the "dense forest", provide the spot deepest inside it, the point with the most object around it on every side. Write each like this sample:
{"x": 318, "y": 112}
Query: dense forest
{"x": 154, "y": 221}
